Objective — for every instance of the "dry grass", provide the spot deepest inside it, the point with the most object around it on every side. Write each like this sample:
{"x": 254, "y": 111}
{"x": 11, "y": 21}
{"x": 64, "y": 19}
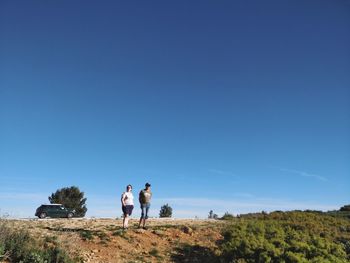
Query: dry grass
{"x": 103, "y": 240}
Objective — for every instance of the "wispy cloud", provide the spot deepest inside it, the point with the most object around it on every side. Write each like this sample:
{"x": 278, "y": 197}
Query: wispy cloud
{"x": 304, "y": 174}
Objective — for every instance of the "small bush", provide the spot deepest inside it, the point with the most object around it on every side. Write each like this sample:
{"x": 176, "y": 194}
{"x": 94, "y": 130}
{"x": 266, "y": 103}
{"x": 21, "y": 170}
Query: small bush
{"x": 86, "y": 235}
{"x": 165, "y": 211}
{"x": 34, "y": 257}
{"x": 227, "y": 216}
{"x": 122, "y": 234}
{"x": 19, "y": 246}
{"x": 103, "y": 236}
{"x": 154, "y": 252}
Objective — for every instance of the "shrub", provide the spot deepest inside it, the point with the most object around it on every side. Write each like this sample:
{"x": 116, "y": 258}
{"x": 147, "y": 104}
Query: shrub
{"x": 154, "y": 252}
{"x": 345, "y": 208}
{"x": 227, "y": 216}
{"x": 165, "y": 211}
{"x": 86, "y": 235}
{"x": 286, "y": 237}
{"x": 19, "y": 246}
{"x": 212, "y": 215}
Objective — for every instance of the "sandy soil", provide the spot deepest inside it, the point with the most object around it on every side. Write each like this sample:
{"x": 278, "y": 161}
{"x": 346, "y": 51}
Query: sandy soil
{"x": 103, "y": 240}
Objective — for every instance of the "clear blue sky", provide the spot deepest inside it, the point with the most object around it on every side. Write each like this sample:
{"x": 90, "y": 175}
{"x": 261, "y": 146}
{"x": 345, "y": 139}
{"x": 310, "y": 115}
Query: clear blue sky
{"x": 226, "y": 105}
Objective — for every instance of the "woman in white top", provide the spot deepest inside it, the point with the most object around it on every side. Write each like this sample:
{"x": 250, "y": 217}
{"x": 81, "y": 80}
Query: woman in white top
{"x": 127, "y": 205}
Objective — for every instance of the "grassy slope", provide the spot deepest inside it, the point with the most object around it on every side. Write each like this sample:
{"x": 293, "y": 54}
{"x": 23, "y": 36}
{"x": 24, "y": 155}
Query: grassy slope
{"x": 274, "y": 237}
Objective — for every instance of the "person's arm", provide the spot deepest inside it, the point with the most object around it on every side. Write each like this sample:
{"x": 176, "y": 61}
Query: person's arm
{"x": 140, "y": 197}
{"x": 123, "y": 199}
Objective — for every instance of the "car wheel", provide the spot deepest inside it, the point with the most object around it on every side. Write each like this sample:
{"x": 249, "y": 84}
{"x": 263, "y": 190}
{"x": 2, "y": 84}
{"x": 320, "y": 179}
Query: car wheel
{"x": 42, "y": 215}
{"x": 70, "y": 215}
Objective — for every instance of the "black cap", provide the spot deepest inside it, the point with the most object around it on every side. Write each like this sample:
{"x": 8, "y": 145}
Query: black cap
{"x": 147, "y": 184}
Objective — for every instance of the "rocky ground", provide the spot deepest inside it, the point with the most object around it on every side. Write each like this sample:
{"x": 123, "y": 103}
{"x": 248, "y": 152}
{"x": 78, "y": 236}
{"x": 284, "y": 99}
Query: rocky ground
{"x": 103, "y": 240}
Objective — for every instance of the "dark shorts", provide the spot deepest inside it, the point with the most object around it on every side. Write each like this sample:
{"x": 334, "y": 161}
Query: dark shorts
{"x": 127, "y": 210}
{"x": 144, "y": 210}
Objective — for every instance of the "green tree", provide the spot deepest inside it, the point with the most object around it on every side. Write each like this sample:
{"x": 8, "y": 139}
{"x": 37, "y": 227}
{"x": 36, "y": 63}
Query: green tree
{"x": 345, "y": 208}
{"x": 70, "y": 197}
{"x": 166, "y": 211}
{"x": 227, "y": 216}
{"x": 212, "y": 215}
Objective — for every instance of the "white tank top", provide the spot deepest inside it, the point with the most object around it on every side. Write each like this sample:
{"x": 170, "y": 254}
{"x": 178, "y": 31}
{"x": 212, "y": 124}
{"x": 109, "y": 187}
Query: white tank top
{"x": 128, "y": 198}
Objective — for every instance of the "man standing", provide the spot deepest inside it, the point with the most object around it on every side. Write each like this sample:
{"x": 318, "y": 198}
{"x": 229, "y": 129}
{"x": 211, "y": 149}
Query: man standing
{"x": 145, "y": 203}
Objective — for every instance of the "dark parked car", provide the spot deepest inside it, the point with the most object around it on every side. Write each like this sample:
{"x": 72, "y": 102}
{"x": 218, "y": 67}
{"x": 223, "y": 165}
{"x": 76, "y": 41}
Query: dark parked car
{"x": 54, "y": 210}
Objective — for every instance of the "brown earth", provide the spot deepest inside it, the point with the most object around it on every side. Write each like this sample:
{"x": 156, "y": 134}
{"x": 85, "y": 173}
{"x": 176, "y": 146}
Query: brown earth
{"x": 103, "y": 240}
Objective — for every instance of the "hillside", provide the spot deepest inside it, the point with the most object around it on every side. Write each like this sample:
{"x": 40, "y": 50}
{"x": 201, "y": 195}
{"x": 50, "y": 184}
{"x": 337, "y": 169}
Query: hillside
{"x": 275, "y": 237}
{"x": 103, "y": 240}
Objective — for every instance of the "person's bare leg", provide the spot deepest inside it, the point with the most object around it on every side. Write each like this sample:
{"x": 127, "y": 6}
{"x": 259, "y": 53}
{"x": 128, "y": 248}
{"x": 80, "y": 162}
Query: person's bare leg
{"x": 140, "y": 222}
{"x": 126, "y": 222}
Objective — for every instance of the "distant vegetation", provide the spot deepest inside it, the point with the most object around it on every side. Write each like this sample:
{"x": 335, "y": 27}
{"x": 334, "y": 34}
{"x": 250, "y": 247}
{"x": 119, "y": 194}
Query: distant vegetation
{"x": 342, "y": 212}
{"x": 212, "y": 215}
{"x": 70, "y": 197}
{"x": 165, "y": 211}
{"x": 227, "y": 216}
